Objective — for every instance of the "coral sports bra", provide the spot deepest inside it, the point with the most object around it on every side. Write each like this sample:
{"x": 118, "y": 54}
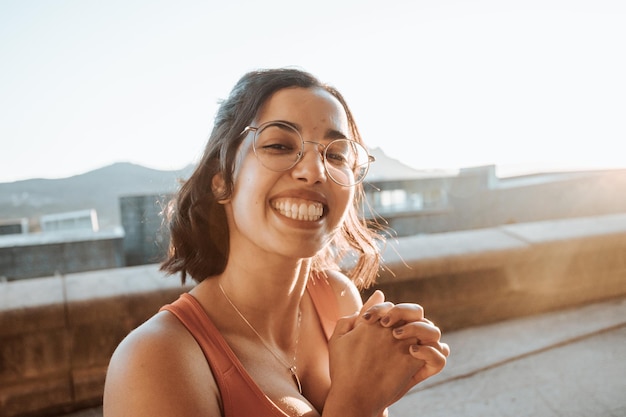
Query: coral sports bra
{"x": 241, "y": 396}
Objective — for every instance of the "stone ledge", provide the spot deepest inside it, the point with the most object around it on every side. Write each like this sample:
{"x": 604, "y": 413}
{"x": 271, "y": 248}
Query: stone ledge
{"x": 32, "y": 397}
{"x": 31, "y": 305}
{"x": 57, "y": 333}
{"x": 475, "y": 250}
{"x": 421, "y": 256}
{"x": 475, "y": 277}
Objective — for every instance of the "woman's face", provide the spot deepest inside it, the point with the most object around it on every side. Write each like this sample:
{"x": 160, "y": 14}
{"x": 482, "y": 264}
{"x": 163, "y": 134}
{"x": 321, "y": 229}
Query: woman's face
{"x": 293, "y": 213}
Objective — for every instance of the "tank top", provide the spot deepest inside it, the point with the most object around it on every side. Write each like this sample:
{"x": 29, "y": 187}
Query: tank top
{"x": 241, "y": 396}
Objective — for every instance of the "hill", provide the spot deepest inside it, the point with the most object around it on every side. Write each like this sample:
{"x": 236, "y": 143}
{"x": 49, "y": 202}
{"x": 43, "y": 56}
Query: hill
{"x": 386, "y": 168}
{"x": 99, "y": 189}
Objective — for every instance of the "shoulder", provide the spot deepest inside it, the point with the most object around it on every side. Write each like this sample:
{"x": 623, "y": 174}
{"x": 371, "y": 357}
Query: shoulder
{"x": 154, "y": 371}
{"x": 348, "y": 296}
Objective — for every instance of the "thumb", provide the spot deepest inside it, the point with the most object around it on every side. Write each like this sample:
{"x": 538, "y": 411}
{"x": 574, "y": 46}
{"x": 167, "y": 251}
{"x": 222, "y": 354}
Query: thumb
{"x": 376, "y": 298}
{"x": 343, "y": 326}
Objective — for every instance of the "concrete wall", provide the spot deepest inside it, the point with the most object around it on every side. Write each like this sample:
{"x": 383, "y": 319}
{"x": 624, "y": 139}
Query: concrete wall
{"x": 13, "y": 226}
{"x": 43, "y": 254}
{"x": 57, "y": 334}
{"x": 475, "y": 277}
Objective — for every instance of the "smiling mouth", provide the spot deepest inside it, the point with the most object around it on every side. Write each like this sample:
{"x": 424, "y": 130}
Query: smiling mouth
{"x": 299, "y": 209}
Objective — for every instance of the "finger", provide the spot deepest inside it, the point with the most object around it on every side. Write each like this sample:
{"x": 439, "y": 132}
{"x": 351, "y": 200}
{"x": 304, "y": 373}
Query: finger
{"x": 445, "y": 349}
{"x": 403, "y": 313}
{"x": 367, "y": 314}
{"x": 376, "y": 312}
{"x": 434, "y": 361}
{"x": 424, "y": 332}
{"x": 428, "y": 321}
{"x": 376, "y": 298}
{"x": 343, "y": 326}
{"x": 442, "y": 348}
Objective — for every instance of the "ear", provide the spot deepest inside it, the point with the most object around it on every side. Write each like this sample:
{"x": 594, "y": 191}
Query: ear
{"x": 218, "y": 186}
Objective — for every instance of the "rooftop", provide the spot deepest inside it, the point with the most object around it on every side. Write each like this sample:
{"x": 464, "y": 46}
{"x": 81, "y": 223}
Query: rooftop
{"x": 565, "y": 363}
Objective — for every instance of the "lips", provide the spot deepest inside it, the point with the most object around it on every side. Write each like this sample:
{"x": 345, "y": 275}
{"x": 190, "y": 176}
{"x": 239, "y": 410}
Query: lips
{"x": 299, "y": 209}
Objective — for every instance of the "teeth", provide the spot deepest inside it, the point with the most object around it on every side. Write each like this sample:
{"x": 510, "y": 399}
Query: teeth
{"x": 299, "y": 209}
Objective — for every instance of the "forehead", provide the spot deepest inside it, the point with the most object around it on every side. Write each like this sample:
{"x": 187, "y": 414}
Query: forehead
{"x": 311, "y": 108}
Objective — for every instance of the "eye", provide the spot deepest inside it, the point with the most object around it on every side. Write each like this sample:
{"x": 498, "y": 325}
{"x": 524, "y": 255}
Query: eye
{"x": 278, "y": 140}
{"x": 277, "y": 145}
{"x": 340, "y": 153}
{"x": 336, "y": 158}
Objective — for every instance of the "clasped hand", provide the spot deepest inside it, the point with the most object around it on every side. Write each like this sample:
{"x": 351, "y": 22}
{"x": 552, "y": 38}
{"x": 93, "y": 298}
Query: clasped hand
{"x": 385, "y": 350}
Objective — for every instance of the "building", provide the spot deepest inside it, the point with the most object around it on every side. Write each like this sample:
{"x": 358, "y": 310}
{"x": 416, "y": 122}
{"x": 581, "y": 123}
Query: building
{"x": 74, "y": 220}
{"x": 475, "y": 198}
{"x": 48, "y": 253}
{"x": 13, "y": 226}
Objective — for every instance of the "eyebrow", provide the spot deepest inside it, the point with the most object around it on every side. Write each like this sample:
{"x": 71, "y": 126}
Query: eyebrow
{"x": 335, "y": 134}
{"x": 331, "y": 134}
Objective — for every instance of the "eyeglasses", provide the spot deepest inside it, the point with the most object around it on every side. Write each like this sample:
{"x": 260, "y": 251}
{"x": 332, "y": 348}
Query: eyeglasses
{"x": 279, "y": 147}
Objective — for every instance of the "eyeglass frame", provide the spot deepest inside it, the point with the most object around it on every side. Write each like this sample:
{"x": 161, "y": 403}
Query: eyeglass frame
{"x": 255, "y": 130}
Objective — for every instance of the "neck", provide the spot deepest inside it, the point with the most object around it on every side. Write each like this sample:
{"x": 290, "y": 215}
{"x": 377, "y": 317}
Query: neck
{"x": 269, "y": 301}
{"x": 290, "y": 365}
{"x": 275, "y": 289}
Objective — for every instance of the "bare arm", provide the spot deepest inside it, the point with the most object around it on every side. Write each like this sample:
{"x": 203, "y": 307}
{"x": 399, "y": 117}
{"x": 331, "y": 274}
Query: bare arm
{"x": 149, "y": 375}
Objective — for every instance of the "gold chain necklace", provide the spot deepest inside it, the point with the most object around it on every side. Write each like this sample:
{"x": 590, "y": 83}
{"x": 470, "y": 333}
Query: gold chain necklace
{"x": 290, "y": 368}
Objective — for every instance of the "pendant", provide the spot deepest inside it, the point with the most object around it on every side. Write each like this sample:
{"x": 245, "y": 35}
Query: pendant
{"x": 295, "y": 378}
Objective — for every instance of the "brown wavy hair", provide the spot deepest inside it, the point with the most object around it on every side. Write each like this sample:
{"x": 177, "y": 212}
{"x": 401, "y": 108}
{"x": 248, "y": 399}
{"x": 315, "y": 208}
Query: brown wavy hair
{"x": 199, "y": 239}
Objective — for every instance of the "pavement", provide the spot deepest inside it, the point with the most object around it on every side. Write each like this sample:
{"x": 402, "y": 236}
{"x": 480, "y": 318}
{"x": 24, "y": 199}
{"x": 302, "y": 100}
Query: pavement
{"x": 569, "y": 363}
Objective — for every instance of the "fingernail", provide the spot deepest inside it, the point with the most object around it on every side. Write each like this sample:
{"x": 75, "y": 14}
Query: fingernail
{"x": 385, "y": 320}
{"x": 367, "y": 316}
{"x": 398, "y": 330}
{"x": 415, "y": 348}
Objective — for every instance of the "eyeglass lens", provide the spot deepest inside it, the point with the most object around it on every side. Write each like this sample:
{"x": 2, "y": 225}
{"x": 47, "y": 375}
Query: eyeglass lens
{"x": 279, "y": 147}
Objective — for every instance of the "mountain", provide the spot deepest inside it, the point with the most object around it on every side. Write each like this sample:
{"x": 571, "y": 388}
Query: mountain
{"x": 99, "y": 189}
{"x": 386, "y": 168}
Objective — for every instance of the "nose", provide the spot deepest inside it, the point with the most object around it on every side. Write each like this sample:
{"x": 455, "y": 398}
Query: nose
{"x": 310, "y": 167}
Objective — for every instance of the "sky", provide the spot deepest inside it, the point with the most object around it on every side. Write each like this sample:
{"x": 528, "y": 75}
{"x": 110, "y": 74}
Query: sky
{"x": 524, "y": 85}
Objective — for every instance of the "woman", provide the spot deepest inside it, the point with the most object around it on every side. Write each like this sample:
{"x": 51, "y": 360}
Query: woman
{"x": 273, "y": 327}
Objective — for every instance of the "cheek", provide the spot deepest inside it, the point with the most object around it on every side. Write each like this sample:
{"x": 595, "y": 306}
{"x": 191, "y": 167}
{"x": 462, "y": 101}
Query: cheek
{"x": 345, "y": 200}
{"x": 239, "y": 160}
{"x": 244, "y": 190}
{"x": 248, "y": 186}
{"x": 244, "y": 168}
{"x": 349, "y": 196}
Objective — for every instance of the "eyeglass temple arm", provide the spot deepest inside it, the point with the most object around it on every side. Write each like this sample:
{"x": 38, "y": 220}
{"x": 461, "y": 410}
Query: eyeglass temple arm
{"x": 248, "y": 129}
